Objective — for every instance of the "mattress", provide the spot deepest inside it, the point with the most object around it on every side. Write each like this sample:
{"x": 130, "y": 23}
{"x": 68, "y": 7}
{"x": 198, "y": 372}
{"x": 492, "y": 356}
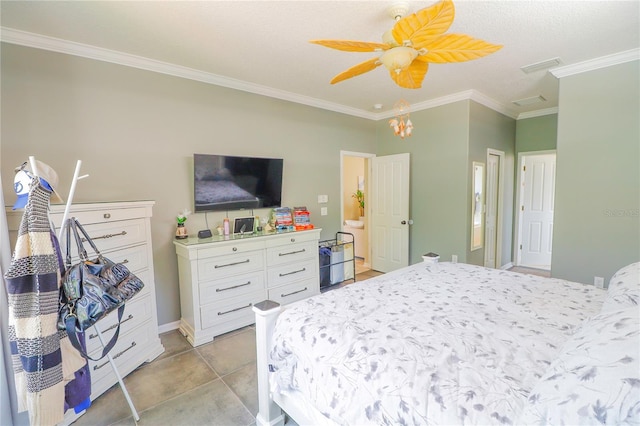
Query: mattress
{"x": 429, "y": 344}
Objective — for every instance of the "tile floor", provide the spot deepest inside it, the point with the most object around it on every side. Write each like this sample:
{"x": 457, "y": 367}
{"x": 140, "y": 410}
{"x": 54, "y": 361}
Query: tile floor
{"x": 213, "y": 384}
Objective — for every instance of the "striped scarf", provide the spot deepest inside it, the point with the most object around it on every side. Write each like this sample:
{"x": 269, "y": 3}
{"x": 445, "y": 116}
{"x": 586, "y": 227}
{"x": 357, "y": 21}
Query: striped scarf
{"x": 43, "y": 358}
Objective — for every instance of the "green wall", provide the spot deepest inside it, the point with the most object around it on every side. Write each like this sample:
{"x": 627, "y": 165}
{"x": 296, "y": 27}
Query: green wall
{"x": 438, "y": 150}
{"x": 490, "y": 129}
{"x": 445, "y": 141}
{"x": 536, "y": 133}
{"x": 596, "y": 221}
{"x": 136, "y": 132}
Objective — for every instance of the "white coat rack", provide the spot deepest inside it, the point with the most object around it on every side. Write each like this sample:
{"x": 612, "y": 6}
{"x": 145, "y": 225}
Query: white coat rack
{"x": 72, "y": 190}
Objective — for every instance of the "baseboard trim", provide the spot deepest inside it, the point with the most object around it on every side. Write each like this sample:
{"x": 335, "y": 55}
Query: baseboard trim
{"x": 507, "y": 266}
{"x": 168, "y": 327}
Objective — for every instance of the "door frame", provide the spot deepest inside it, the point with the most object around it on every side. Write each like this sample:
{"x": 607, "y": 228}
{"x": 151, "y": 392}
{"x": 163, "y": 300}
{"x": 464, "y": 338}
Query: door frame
{"x": 367, "y": 205}
{"x": 517, "y": 238}
{"x": 499, "y": 207}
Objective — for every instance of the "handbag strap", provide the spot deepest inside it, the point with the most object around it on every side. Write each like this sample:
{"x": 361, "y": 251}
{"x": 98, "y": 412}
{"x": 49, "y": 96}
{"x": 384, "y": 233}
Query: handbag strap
{"x": 82, "y": 253}
{"x": 72, "y": 332}
{"x": 87, "y": 238}
{"x": 67, "y": 261}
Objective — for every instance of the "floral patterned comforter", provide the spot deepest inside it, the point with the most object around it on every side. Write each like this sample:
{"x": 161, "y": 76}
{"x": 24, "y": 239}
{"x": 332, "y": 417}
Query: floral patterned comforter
{"x": 428, "y": 344}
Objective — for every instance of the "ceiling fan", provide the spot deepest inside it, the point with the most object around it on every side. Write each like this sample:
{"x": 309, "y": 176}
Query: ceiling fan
{"x": 414, "y": 41}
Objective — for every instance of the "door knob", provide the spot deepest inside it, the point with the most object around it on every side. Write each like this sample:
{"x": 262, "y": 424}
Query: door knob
{"x": 404, "y": 222}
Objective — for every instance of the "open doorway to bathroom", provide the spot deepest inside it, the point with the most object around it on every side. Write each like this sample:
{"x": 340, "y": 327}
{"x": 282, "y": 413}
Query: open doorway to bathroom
{"x": 355, "y": 169}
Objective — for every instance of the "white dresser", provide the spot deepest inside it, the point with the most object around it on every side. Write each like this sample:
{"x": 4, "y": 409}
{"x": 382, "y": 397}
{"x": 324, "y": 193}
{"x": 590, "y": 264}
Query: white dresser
{"x": 122, "y": 232}
{"x": 221, "y": 279}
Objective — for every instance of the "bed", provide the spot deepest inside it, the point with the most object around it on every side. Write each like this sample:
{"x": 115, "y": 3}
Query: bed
{"x": 452, "y": 343}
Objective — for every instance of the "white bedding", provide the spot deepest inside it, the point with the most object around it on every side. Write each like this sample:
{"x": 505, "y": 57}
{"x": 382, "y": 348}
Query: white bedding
{"x": 430, "y": 344}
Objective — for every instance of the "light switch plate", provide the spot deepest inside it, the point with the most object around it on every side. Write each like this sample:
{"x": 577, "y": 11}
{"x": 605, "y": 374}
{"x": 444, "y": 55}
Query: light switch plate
{"x": 323, "y": 211}
{"x": 323, "y": 199}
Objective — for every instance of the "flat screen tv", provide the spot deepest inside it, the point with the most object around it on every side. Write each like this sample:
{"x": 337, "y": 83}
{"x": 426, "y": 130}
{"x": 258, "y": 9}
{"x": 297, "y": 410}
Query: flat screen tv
{"x": 222, "y": 182}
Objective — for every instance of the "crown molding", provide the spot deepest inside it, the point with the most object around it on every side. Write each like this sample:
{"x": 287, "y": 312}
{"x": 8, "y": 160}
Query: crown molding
{"x": 492, "y": 104}
{"x": 537, "y": 113}
{"x": 597, "y": 63}
{"x": 472, "y": 95}
{"x": 23, "y": 38}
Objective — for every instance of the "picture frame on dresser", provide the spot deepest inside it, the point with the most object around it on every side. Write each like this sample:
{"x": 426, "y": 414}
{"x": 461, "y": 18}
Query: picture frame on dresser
{"x": 122, "y": 232}
{"x": 243, "y": 225}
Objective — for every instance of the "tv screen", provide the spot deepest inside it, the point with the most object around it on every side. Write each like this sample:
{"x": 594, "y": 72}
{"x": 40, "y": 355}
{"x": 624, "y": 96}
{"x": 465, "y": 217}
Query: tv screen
{"x": 222, "y": 182}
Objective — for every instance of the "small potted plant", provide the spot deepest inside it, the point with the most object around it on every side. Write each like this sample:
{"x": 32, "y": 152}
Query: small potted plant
{"x": 359, "y": 196}
{"x": 181, "y": 230}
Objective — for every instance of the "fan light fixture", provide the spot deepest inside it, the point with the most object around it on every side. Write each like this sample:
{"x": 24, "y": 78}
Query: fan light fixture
{"x": 401, "y": 124}
{"x": 399, "y": 58}
{"x": 415, "y": 41}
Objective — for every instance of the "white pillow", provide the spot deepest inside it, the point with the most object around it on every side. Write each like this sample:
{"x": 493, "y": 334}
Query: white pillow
{"x": 624, "y": 289}
{"x": 596, "y": 377}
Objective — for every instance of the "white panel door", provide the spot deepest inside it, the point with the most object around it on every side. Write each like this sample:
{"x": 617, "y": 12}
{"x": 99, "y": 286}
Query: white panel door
{"x": 537, "y": 210}
{"x": 491, "y": 218}
{"x": 390, "y": 212}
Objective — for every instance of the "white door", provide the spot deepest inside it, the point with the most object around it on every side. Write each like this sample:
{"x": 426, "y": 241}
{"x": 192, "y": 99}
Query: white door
{"x": 390, "y": 212}
{"x": 491, "y": 217}
{"x": 536, "y": 210}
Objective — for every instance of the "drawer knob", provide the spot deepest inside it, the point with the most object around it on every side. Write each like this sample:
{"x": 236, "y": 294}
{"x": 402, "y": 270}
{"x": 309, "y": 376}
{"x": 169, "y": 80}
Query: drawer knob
{"x": 107, "y": 215}
{"x": 235, "y": 249}
{"x": 293, "y": 240}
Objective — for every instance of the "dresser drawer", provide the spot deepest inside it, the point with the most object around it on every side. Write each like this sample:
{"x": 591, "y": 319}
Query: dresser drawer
{"x": 211, "y": 291}
{"x": 136, "y": 311}
{"x": 284, "y": 274}
{"x": 293, "y": 292}
{"x": 236, "y": 309}
{"x": 134, "y": 258}
{"x": 232, "y": 264}
{"x": 290, "y": 253}
{"x": 99, "y": 216}
{"x": 126, "y": 351}
{"x": 292, "y": 237}
{"x": 241, "y": 246}
{"x": 108, "y": 236}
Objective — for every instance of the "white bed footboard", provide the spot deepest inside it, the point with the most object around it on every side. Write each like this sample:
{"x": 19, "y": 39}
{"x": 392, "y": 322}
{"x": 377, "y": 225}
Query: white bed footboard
{"x": 269, "y": 413}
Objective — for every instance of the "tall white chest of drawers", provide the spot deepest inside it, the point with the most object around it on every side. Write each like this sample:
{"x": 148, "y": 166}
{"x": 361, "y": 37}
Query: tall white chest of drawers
{"x": 220, "y": 279}
{"x": 122, "y": 232}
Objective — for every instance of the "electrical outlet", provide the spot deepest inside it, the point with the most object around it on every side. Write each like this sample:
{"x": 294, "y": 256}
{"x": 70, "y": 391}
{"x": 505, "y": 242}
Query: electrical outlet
{"x": 598, "y": 282}
{"x": 454, "y": 258}
{"x": 323, "y": 211}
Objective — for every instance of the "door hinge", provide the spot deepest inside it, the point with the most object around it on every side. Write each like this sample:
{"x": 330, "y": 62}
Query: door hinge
{"x": 524, "y": 168}
{"x": 522, "y": 208}
{"x": 520, "y": 246}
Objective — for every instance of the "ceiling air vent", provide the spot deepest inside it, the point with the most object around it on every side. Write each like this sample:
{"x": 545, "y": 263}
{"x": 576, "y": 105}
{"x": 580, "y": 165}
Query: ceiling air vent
{"x": 529, "y": 101}
{"x": 539, "y": 66}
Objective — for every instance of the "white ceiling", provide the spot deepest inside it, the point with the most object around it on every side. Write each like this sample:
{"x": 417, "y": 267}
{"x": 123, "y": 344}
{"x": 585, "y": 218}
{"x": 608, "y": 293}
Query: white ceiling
{"x": 262, "y": 46}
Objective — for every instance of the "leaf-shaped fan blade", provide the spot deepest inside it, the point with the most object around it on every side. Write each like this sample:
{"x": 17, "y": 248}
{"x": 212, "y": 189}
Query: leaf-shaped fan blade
{"x": 422, "y": 26}
{"x": 351, "y": 45}
{"x": 412, "y": 77}
{"x": 361, "y": 68}
{"x": 457, "y": 48}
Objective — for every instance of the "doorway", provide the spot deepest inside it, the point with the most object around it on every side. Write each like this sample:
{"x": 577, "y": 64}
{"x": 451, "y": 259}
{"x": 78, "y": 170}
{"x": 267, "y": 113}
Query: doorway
{"x": 355, "y": 184}
{"x": 494, "y": 205}
{"x": 536, "y": 195}
{"x": 386, "y": 208}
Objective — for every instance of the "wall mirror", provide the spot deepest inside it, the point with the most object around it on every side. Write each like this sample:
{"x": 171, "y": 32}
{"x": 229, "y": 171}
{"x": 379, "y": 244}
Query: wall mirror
{"x": 477, "y": 205}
